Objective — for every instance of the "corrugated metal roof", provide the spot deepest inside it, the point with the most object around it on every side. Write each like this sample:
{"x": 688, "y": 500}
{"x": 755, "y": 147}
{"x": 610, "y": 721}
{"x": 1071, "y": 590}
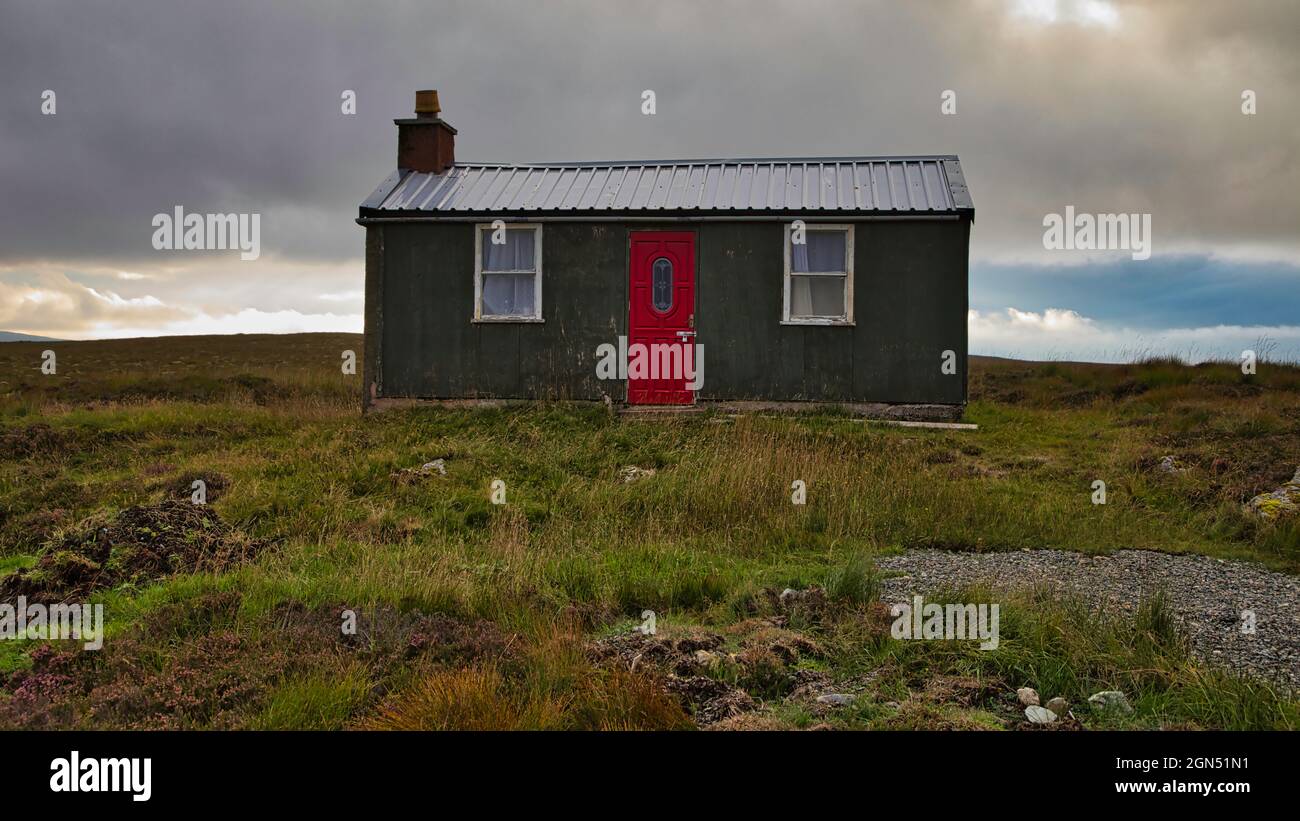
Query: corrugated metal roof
{"x": 839, "y": 184}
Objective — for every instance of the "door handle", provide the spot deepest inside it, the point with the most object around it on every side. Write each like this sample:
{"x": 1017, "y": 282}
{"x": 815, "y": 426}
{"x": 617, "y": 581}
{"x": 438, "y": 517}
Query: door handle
{"x": 684, "y": 334}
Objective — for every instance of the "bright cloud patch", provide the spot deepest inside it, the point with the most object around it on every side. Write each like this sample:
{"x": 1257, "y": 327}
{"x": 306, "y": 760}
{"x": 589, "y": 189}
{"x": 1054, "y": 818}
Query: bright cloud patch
{"x": 53, "y": 305}
{"x": 247, "y": 321}
{"x": 344, "y": 296}
{"x": 50, "y": 303}
{"x": 1058, "y": 333}
{"x": 1080, "y": 12}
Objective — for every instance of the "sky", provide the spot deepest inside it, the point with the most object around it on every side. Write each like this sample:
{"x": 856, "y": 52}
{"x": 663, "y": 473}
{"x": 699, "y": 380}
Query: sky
{"x": 1105, "y": 106}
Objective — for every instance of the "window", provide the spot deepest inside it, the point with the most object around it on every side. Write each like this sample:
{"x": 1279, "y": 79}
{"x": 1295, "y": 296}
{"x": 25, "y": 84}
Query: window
{"x": 819, "y": 276}
{"x": 661, "y": 285}
{"x": 508, "y": 274}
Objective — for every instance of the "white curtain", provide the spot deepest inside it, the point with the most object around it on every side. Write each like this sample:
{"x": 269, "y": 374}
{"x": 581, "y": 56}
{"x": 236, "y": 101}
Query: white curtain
{"x": 823, "y": 251}
{"x": 508, "y": 294}
{"x": 515, "y": 254}
{"x": 817, "y": 296}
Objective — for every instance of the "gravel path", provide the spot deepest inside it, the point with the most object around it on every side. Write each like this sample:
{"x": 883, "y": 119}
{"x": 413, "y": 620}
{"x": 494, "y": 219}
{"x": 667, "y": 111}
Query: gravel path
{"x": 1208, "y": 595}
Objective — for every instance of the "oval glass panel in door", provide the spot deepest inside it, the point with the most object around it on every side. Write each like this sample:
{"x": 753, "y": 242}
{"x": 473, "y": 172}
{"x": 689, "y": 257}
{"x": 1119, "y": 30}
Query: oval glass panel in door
{"x": 661, "y": 285}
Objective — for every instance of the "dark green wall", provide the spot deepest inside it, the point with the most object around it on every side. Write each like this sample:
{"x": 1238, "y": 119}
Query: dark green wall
{"x": 910, "y": 302}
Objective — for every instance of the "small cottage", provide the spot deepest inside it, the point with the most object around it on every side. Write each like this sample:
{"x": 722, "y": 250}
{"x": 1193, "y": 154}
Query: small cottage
{"x": 745, "y": 283}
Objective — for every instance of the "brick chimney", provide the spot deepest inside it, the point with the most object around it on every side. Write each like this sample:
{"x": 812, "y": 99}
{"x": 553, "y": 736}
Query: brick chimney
{"x": 424, "y": 142}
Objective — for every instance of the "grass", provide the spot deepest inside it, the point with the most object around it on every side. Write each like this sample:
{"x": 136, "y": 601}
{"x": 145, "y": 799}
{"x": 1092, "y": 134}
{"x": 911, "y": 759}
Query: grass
{"x": 856, "y": 581}
{"x": 318, "y": 701}
{"x": 272, "y": 426}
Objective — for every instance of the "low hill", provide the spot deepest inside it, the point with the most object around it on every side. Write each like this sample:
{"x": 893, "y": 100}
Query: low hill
{"x": 11, "y": 336}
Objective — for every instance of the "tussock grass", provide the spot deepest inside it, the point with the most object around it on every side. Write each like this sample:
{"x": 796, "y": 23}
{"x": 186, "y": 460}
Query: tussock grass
{"x": 856, "y": 581}
{"x": 320, "y": 701}
{"x": 553, "y": 687}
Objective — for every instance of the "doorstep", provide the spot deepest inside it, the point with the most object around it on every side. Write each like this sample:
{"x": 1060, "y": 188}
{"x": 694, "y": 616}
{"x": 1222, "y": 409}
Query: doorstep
{"x": 660, "y": 410}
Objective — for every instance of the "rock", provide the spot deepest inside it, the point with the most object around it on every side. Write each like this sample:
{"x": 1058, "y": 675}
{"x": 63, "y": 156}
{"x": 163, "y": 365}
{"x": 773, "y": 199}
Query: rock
{"x": 812, "y": 598}
{"x": 631, "y": 473}
{"x": 837, "y": 699}
{"x": 1170, "y": 465}
{"x": 1277, "y": 504}
{"x": 1110, "y": 700}
{"x": 1059, "y": 706}
{"x": 706, "y": 657}
{"x": 1028, "y": 696}
{"x": 438, "y": 467}
{"x": 1039, "y": 715}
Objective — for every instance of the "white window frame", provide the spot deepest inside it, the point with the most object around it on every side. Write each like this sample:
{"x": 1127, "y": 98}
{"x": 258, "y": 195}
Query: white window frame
{"x": 847, "y": 317}
{"x": 479, "y": 316}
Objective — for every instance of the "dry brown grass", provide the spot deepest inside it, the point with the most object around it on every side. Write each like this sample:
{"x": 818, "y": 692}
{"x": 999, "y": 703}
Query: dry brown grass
{"x": 467, "y": 698}
{"x": 550, "y": 686}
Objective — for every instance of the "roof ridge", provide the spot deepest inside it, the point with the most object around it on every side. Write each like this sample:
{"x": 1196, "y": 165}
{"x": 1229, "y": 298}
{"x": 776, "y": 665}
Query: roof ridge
{"x": 709, "y": 161}
{"x": 898, "y": 184}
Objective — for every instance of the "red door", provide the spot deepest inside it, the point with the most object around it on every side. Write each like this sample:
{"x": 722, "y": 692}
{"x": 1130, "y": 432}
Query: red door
{"x": 661, "y": 317}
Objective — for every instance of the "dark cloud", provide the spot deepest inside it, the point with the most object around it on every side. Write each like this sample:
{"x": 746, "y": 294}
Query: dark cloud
{"x": 234, "y": 106}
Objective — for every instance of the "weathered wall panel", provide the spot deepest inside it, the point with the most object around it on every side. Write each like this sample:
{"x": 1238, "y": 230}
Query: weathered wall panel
{"x": 584, "y": 303}
{"x": 910, "y": 300}
{"x": 372, "y": 368}
{"x": 910, "y": 306}
{"x": 429, "y": 346}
